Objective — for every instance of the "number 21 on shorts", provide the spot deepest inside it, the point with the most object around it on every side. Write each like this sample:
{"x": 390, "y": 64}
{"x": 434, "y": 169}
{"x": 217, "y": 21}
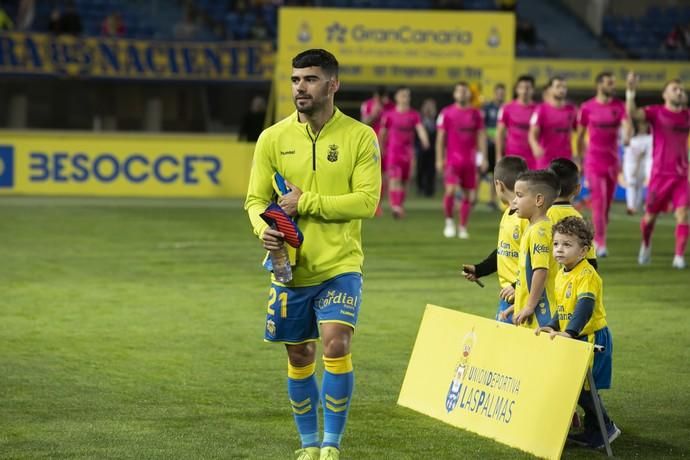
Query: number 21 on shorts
{"x": 282, "y": 297}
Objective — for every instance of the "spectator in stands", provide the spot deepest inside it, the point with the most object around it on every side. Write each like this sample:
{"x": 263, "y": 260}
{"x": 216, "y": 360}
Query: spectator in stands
{"x": 674, "y": 39}
{"x": 54, "y": 20}
{"x": 70, "y": 21}
{"x": 6, "y": 22}
{"x": 26, "y": 14}
{"x": 686, "y": 36}
{"x": 525, "y": 33}
{"x": 259, "y": 30}
{"x": 187, "y": 29}
{"x": 113, "y": 25}
{"x": 254, "y": 119}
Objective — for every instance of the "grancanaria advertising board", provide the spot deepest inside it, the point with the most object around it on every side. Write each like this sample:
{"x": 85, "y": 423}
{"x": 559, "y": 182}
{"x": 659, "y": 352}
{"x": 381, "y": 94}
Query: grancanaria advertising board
{"x": 398, "y": 47}
{"x": 495, "y": 379}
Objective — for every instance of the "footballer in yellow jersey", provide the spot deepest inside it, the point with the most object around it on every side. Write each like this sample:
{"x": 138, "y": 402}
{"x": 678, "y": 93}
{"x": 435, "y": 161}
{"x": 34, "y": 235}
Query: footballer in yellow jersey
{"x": 332, "y": 167}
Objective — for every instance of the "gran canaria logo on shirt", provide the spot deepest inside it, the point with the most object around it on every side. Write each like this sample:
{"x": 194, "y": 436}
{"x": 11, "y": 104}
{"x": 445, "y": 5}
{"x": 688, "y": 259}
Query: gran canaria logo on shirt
{"x": 332, "y": 153}
{"x": 452, "y": 397}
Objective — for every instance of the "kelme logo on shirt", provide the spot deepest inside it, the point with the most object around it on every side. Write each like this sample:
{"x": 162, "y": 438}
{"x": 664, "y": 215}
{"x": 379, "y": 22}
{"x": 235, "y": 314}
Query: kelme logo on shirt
{"x": 540, "y": 249}
{"x": 332, "y": 153}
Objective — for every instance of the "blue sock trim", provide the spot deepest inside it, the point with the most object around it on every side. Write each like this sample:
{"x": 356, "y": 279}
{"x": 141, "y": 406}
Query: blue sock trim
{"x": 310, "y": 440}
{"x": 331, "y": 439}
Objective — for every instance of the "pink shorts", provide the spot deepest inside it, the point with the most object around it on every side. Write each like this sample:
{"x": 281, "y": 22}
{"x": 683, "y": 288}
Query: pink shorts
{"x": 462, "y": 174}
{"x": 665, "y": 190}
{"x": 398, "y": 167}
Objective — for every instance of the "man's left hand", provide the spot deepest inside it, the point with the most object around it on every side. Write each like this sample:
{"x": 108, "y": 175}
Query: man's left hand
{"x": 289, "y": 201}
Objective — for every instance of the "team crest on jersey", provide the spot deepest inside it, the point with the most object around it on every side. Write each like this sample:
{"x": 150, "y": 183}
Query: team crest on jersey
{"x": 332, "y": 153}
{"x": 453, "y": 395}
{"x": 271, "y": 327}
{"x": 516, "y": 233}
{"x": 569, "y": 290}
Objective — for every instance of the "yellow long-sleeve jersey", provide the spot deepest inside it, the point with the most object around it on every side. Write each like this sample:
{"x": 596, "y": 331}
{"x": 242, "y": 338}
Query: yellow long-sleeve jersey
{"x": 338, "y": 171}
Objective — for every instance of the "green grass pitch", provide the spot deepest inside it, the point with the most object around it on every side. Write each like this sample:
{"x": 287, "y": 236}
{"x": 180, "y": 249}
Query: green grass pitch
{"x": 133, "y": 329}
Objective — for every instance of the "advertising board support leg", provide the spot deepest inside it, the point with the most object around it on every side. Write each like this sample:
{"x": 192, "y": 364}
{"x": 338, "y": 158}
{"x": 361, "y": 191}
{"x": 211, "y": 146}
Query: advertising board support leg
{"x": 600, "y": 416}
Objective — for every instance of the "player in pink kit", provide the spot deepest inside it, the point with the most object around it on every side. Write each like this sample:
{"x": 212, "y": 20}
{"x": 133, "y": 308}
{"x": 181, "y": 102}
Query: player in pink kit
{"x": 668, "y": 183}
{"x": 398, "y": 128}
{"x": 460, "y": 133}
{"x": 601, "y": 117}
{"x": 513, "y": 123}
{"x": 552, "y": 125}
{"x": 371, "y": 111}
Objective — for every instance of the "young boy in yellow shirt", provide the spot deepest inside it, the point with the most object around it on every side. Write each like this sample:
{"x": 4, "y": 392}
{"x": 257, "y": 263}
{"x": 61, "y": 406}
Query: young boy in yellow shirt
{"x": 535, "y": 191}
{"x": 504, "y": 258}
{"x": 580, "y": 315}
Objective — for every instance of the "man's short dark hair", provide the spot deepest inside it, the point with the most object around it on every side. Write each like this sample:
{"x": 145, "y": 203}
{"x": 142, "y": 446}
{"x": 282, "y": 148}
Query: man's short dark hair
{"x": 462, "y": 83}
{"x": 508, "y": 169}
{"x": 673, "y": 80}
{"x": 568, "y": 175}
{"x": 601, "y": 75}
{"x": 525, "y": 77}
{"x": 542, "y": 181}
{"x": 499, "y": 86}
{"x": 317, "y": 58}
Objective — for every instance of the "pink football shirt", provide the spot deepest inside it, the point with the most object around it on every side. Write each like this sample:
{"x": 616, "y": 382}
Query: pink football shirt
{"x": 555, "y": 129}
{"x": 461, "y": 126}
{"x": 670, "y": 136}
{"x": 367, "y": 108}
{"x": 602, "y": 121}
{"x": 400, "y": 132}
{"x": 516, "y": 116}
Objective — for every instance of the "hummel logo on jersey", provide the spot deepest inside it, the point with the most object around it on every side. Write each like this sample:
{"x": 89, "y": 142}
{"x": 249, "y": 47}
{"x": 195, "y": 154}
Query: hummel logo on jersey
{"x": 287, "y": 152}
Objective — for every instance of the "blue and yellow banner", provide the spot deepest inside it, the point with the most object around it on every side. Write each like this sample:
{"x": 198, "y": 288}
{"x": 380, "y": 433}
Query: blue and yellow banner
{"x": 581, "y": 73}
{"x": 123, "y": 165}
{"x": 94, "y": 57}
{"x": 495, "y": 379}
{"x": 399, "y": 47}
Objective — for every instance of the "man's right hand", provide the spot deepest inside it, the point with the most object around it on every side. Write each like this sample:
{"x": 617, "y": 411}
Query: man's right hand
{"x": 631, "y": 81}
{"x": 272, "y": 239}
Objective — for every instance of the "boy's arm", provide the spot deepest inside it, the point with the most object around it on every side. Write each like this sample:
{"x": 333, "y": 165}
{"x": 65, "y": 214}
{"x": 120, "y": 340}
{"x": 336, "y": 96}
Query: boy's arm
{"x": 581, "y": 316}
{"x": 487, "y": 266}
{"x": 366, "y": 188}
{"x": 537, "y": 288}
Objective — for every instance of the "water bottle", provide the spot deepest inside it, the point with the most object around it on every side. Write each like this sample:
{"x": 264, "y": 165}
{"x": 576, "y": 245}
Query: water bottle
{"x": 281, "y": 265}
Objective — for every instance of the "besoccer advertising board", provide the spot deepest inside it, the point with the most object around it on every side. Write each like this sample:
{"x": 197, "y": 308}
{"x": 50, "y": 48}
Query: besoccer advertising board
{"x": 392, "y": 47}
{"x": 495, "y": 379}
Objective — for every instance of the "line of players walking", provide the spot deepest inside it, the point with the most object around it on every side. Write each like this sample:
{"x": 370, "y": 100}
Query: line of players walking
{"x": 466, "y": 141}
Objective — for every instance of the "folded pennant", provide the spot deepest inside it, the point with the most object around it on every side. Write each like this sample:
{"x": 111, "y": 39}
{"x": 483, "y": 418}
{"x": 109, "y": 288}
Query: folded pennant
{"x": 279, "y": 185}
{"x": 277, "y": 219}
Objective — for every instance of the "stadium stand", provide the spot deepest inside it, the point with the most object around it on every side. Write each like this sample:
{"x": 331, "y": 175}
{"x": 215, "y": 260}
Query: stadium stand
{"x": 648, "y": 36}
